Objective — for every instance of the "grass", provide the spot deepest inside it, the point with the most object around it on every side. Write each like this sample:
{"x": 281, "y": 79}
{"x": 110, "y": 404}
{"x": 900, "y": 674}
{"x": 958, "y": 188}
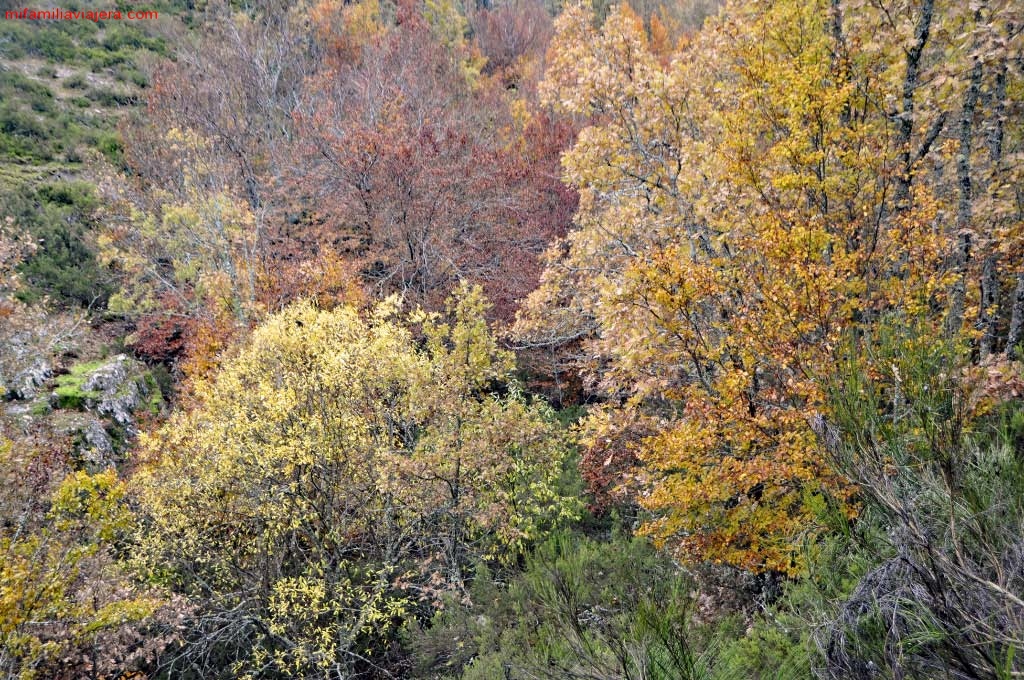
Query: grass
{"x": 64, "y": 87}
{"x": 70, "y": 391}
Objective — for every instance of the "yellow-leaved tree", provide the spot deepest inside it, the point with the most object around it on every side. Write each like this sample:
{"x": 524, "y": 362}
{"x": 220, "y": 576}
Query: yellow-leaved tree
{"x": 66, "y": 606}
{"x": 743, "y": 204}
{"x": 338, "y": 475}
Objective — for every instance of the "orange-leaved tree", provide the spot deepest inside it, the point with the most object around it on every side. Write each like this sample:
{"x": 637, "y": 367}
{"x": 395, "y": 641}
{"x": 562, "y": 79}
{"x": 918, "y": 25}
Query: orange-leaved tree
{"x": 743, "y": 204}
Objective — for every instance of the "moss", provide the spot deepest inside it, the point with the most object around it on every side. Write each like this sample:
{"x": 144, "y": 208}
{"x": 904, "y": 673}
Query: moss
{"x": 73, "y": 397}
{"x": 70, "y": 391}
{"x": 40, "y": 408}
{"x": 155, "y": 400}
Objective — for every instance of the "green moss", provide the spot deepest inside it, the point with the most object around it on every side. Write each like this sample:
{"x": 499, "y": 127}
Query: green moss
{"x": 155, "y": 401}
{"x": 71, "y": 393}
{"x": 40, "y": 408}
{"x": 73, "y": 396}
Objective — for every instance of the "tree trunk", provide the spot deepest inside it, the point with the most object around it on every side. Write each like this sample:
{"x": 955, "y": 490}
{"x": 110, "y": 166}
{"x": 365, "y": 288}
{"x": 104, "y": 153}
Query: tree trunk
{"x": 955, "y": 316}
{"x": 988, "y": 315}
{"x": 905, "y": 119}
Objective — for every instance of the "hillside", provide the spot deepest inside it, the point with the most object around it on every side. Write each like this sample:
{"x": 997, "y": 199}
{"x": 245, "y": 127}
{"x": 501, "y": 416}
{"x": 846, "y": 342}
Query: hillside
{"x": 512, "y": 340}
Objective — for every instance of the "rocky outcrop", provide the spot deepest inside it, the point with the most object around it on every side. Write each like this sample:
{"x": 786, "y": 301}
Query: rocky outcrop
{"x": 92, "y": 405}
{"x": 120, "y": 388}
{"x": 27, "y": 383}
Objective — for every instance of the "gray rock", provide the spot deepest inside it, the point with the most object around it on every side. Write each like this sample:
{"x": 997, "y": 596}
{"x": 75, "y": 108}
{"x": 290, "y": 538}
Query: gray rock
{"x": 97, "y": 450}
{"x": 26, "y": 384}
{"x": 122, "y": 392}
{"x": 109, "y": 376}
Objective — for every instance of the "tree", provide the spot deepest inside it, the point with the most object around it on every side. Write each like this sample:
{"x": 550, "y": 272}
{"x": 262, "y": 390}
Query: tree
{"x": 742, "y": 204}
{"x": 423, "y": 172}
{"x": 66, "y": 607}
{"x": 334, "y": 477}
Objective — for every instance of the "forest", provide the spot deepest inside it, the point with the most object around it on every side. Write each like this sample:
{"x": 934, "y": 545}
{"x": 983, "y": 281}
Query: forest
{"x": 512, "y": 340}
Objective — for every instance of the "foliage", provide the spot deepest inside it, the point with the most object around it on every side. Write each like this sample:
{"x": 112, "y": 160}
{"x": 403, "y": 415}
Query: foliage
{"x": 58, "y": 216}
{"x": 439, "y": 177}
{"x": 742, "y": 203}
{"x": 199, "y": 248}
{"x": 582, "y": 608}
{"x": 915, "y": 428}
{"x": 780, "y": 308}
{"x": 335, "y": 476}
{"x": 65, "y": 607}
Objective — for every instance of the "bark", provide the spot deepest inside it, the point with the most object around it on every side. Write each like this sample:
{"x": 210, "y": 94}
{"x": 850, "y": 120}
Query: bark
{"x": 905, "y": 119}
{"x": 955, "y": 316}
{"x": 1016, "y": 319}
{"x": 840, "y": 59}
{"x": 988, "y": 317}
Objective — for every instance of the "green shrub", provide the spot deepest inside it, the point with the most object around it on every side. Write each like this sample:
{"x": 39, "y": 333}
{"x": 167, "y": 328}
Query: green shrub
{"x": 23, "y": 135}
{"x": 132, "y": 75}
{"x": 77, "y": 194}
{"x": 110, "y": 98}
{"x": 14, "y": 36}
{"x": 75, "y": 81}
{"x": 932, "y": 444}
{"x": 100, "y": 59}
{"x": 13, "y": 80}
{"x": 126, "y": 36}
{"x": 52, "y": 43}
{"x": 578, "y": 604}
{"x": 64, "y": 268}
{"x": 109, "y": 144}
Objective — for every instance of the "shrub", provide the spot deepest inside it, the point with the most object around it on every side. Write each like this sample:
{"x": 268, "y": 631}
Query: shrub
{"x": 574, "y": 612}
{"x": 109, "y": 144}
{"x": 76, "y": 81}
{"x": 927, "y": 439}
{"x": 58, "y": 216}
{"x": 105, "y": 97}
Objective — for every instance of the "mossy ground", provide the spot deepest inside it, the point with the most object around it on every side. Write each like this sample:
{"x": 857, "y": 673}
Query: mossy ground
{"x": 70, "y": 390}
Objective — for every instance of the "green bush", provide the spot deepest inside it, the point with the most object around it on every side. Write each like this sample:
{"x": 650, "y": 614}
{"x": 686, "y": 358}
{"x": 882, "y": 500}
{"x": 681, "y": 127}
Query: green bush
{"x": 109, "y": 144}
{"x": 110, "y": 98}
{"x": 100, "y": 59}
{"x": 131, "y": 37}
{"x": 17, "y": 87}
{"x": 577, "y": 606}
{"x": 131, "y": 75}
{"x": 76, "y": 81}
{"x": 77, "y": 194}
{"x": 59, "y": 217}
{"x": 14, "y": 36}
{"x": 932, "y": 444}
{"x": 52, "y": 43}
{"x": 23, "y": 135}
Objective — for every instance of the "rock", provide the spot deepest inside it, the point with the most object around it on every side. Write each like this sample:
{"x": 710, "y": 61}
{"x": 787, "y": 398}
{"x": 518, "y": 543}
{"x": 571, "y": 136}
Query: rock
{"x": 121, "y": 391}
{"x": 109, "y": 376}
{"x": 26, "y": 384}
{"x": 113, "y": 388}
{"x": 93, "y": 447}
{"x": 96, "y": 449}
